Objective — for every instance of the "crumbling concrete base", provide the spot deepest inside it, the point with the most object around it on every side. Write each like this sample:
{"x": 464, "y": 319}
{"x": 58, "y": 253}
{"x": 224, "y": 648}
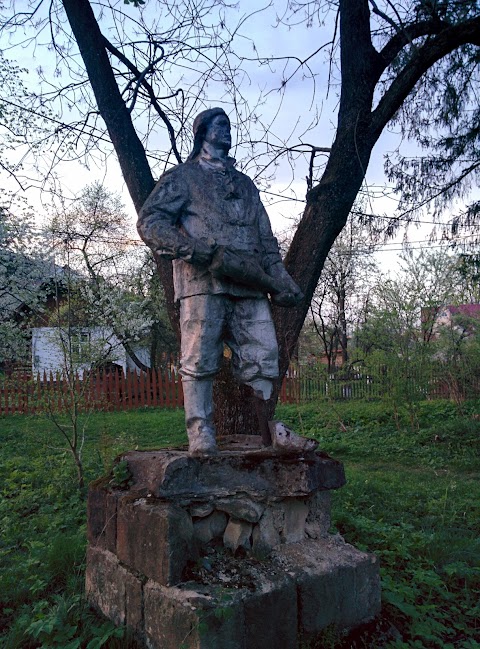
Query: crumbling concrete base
{"x": 245, "y": 565}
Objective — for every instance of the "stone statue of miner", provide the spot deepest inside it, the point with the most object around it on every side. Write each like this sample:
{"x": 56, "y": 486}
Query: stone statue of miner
{"x": 208, "y": 218}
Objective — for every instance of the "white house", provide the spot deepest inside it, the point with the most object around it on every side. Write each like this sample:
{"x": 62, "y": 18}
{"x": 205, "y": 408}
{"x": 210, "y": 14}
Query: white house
{"x": 79, "y": 349}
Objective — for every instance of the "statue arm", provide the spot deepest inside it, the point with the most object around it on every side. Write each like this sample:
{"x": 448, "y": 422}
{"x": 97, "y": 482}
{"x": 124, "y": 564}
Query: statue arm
{"x": 270, "y": 254}
{"x": 272, "y": 260}
{"x": 159, "y": 223}
{"x": 289, "y": 294}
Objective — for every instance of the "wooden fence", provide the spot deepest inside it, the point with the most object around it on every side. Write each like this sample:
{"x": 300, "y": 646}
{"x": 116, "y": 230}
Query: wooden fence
{"x": 118, "y": 390}
{"x": 114, "y": 390}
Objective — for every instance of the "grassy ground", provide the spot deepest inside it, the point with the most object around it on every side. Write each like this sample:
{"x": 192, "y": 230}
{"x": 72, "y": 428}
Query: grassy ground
{"x": 413, "y": 497}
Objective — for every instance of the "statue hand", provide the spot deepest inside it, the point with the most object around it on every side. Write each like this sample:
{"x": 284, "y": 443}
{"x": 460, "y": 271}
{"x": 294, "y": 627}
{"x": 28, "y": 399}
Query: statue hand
{"x": 289, "y": 293}
{"x": 287, "y": 298}
{"x": 203, "y": 252}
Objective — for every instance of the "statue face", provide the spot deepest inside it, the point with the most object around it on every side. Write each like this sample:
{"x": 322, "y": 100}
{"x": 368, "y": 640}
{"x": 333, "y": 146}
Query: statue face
{"x": 218, "y": 133}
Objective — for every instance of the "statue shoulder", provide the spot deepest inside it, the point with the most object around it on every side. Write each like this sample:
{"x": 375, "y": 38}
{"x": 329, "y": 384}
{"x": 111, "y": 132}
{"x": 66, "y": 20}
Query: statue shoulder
{"x": 245, "y": 180}
{"x": 174, "y": 172}
{"x": 181, "y": 173}
{"x": 174, "y": 179}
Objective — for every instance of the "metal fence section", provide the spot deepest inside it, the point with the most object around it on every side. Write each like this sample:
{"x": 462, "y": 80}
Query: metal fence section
{"x": 306, "y": 383}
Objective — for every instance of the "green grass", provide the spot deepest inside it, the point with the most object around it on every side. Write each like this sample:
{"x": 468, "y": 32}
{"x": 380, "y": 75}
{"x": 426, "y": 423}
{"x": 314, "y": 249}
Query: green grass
{"x": 413, "y": 497}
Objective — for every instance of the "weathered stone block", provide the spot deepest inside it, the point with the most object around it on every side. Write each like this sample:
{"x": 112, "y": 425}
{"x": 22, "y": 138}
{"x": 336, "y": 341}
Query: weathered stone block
{"x": 277, "y": 504}
{"x": 193, "y": 617}
{"x": 336, "y": 583}
{"x": 207, "y": 617}
{"x": 237, "y": 535}
{"x": 154, "y": 539}
{"x": 112, "y": 590}
{"x": 102, "y": 505}
{"x": 134, "y": 604}
{"x": 260, "y": 474}
{"x": 210, "y": 527}
{"x": 270, "y": 613}
{"x": 244, "y": 509}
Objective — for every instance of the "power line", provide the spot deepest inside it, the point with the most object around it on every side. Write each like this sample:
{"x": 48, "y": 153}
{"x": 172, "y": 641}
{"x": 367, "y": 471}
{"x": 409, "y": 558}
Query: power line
{"x": 399, "y": 219}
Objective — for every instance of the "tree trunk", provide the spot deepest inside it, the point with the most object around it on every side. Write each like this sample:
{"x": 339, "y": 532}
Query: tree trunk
{"x": 328, "y": 207}
{"x": 343, "y": 327}
{"x": 234, "y": 407}
{"x": 79, "y": 468}
{"x": 128, "y": 147}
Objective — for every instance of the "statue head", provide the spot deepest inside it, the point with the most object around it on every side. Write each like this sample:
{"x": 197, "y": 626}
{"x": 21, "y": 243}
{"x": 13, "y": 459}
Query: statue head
{"x": 201, "y": 125}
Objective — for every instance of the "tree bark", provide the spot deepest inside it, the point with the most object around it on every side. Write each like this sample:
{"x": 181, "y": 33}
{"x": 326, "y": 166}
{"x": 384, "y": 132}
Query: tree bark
{"x": 343, "y": 326}
{"x": 234, "y": 405}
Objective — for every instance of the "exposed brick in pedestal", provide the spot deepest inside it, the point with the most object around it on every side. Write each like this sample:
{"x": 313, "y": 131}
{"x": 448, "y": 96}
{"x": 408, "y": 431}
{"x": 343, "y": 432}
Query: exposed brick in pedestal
{"x": 295, "y": 580}
{"x": 295, "y": 516}
{"x": 210, "y": 527}
{"x": 318, "y": 520}
{"x": 237, "y": 535}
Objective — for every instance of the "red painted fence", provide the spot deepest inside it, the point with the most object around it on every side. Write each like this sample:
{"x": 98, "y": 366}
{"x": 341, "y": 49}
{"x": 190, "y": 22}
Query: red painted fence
{"x": 118, "y": 390}
{"x": 98, "y": 391}
{"x": 113, "y": 390}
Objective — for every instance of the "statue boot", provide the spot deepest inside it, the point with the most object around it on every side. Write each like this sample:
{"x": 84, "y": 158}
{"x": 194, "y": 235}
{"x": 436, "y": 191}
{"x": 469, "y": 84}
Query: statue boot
{"x": 278, "y": 435}
{"x": 198, "y": 401}
{"x": 285, "y": 440}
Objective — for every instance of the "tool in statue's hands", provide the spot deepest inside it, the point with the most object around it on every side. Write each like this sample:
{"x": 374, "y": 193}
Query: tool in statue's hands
{"x": 245, "y": 269}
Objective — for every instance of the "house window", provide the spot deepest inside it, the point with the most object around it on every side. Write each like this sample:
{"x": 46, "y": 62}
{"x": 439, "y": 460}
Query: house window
{"x": 80, "y": 345}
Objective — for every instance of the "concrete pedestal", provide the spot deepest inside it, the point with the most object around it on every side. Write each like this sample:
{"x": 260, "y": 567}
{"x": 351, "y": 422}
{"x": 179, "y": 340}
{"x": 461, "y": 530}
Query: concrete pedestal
{"x": 228, "y": 552}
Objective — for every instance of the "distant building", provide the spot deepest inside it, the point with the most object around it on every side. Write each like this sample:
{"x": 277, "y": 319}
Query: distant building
{"x": 434, "y": 318}
{"x": 84, "y": 348}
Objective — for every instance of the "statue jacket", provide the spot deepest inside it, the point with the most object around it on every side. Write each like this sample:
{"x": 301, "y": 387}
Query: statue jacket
{"x": 200, "y": 200}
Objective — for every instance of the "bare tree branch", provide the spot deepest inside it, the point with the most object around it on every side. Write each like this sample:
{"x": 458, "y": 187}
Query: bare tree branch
{"x": 140, "y": 77}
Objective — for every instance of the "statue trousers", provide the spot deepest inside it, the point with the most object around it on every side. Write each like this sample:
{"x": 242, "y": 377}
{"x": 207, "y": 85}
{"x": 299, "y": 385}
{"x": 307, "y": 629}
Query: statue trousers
{"x": 244, "y": 324}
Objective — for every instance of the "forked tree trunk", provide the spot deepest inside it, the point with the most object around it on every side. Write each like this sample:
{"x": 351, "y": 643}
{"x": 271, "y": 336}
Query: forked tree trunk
{"x": 328, "y": 203}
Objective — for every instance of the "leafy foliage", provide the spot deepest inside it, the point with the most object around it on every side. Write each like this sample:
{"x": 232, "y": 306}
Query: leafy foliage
{"x": 25, "y": 269}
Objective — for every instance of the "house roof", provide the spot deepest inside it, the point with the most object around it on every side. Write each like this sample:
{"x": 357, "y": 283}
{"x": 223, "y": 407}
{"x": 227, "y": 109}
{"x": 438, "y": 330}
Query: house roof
{"x": 471, "y": 310}
{"x": 24, "y": 277}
